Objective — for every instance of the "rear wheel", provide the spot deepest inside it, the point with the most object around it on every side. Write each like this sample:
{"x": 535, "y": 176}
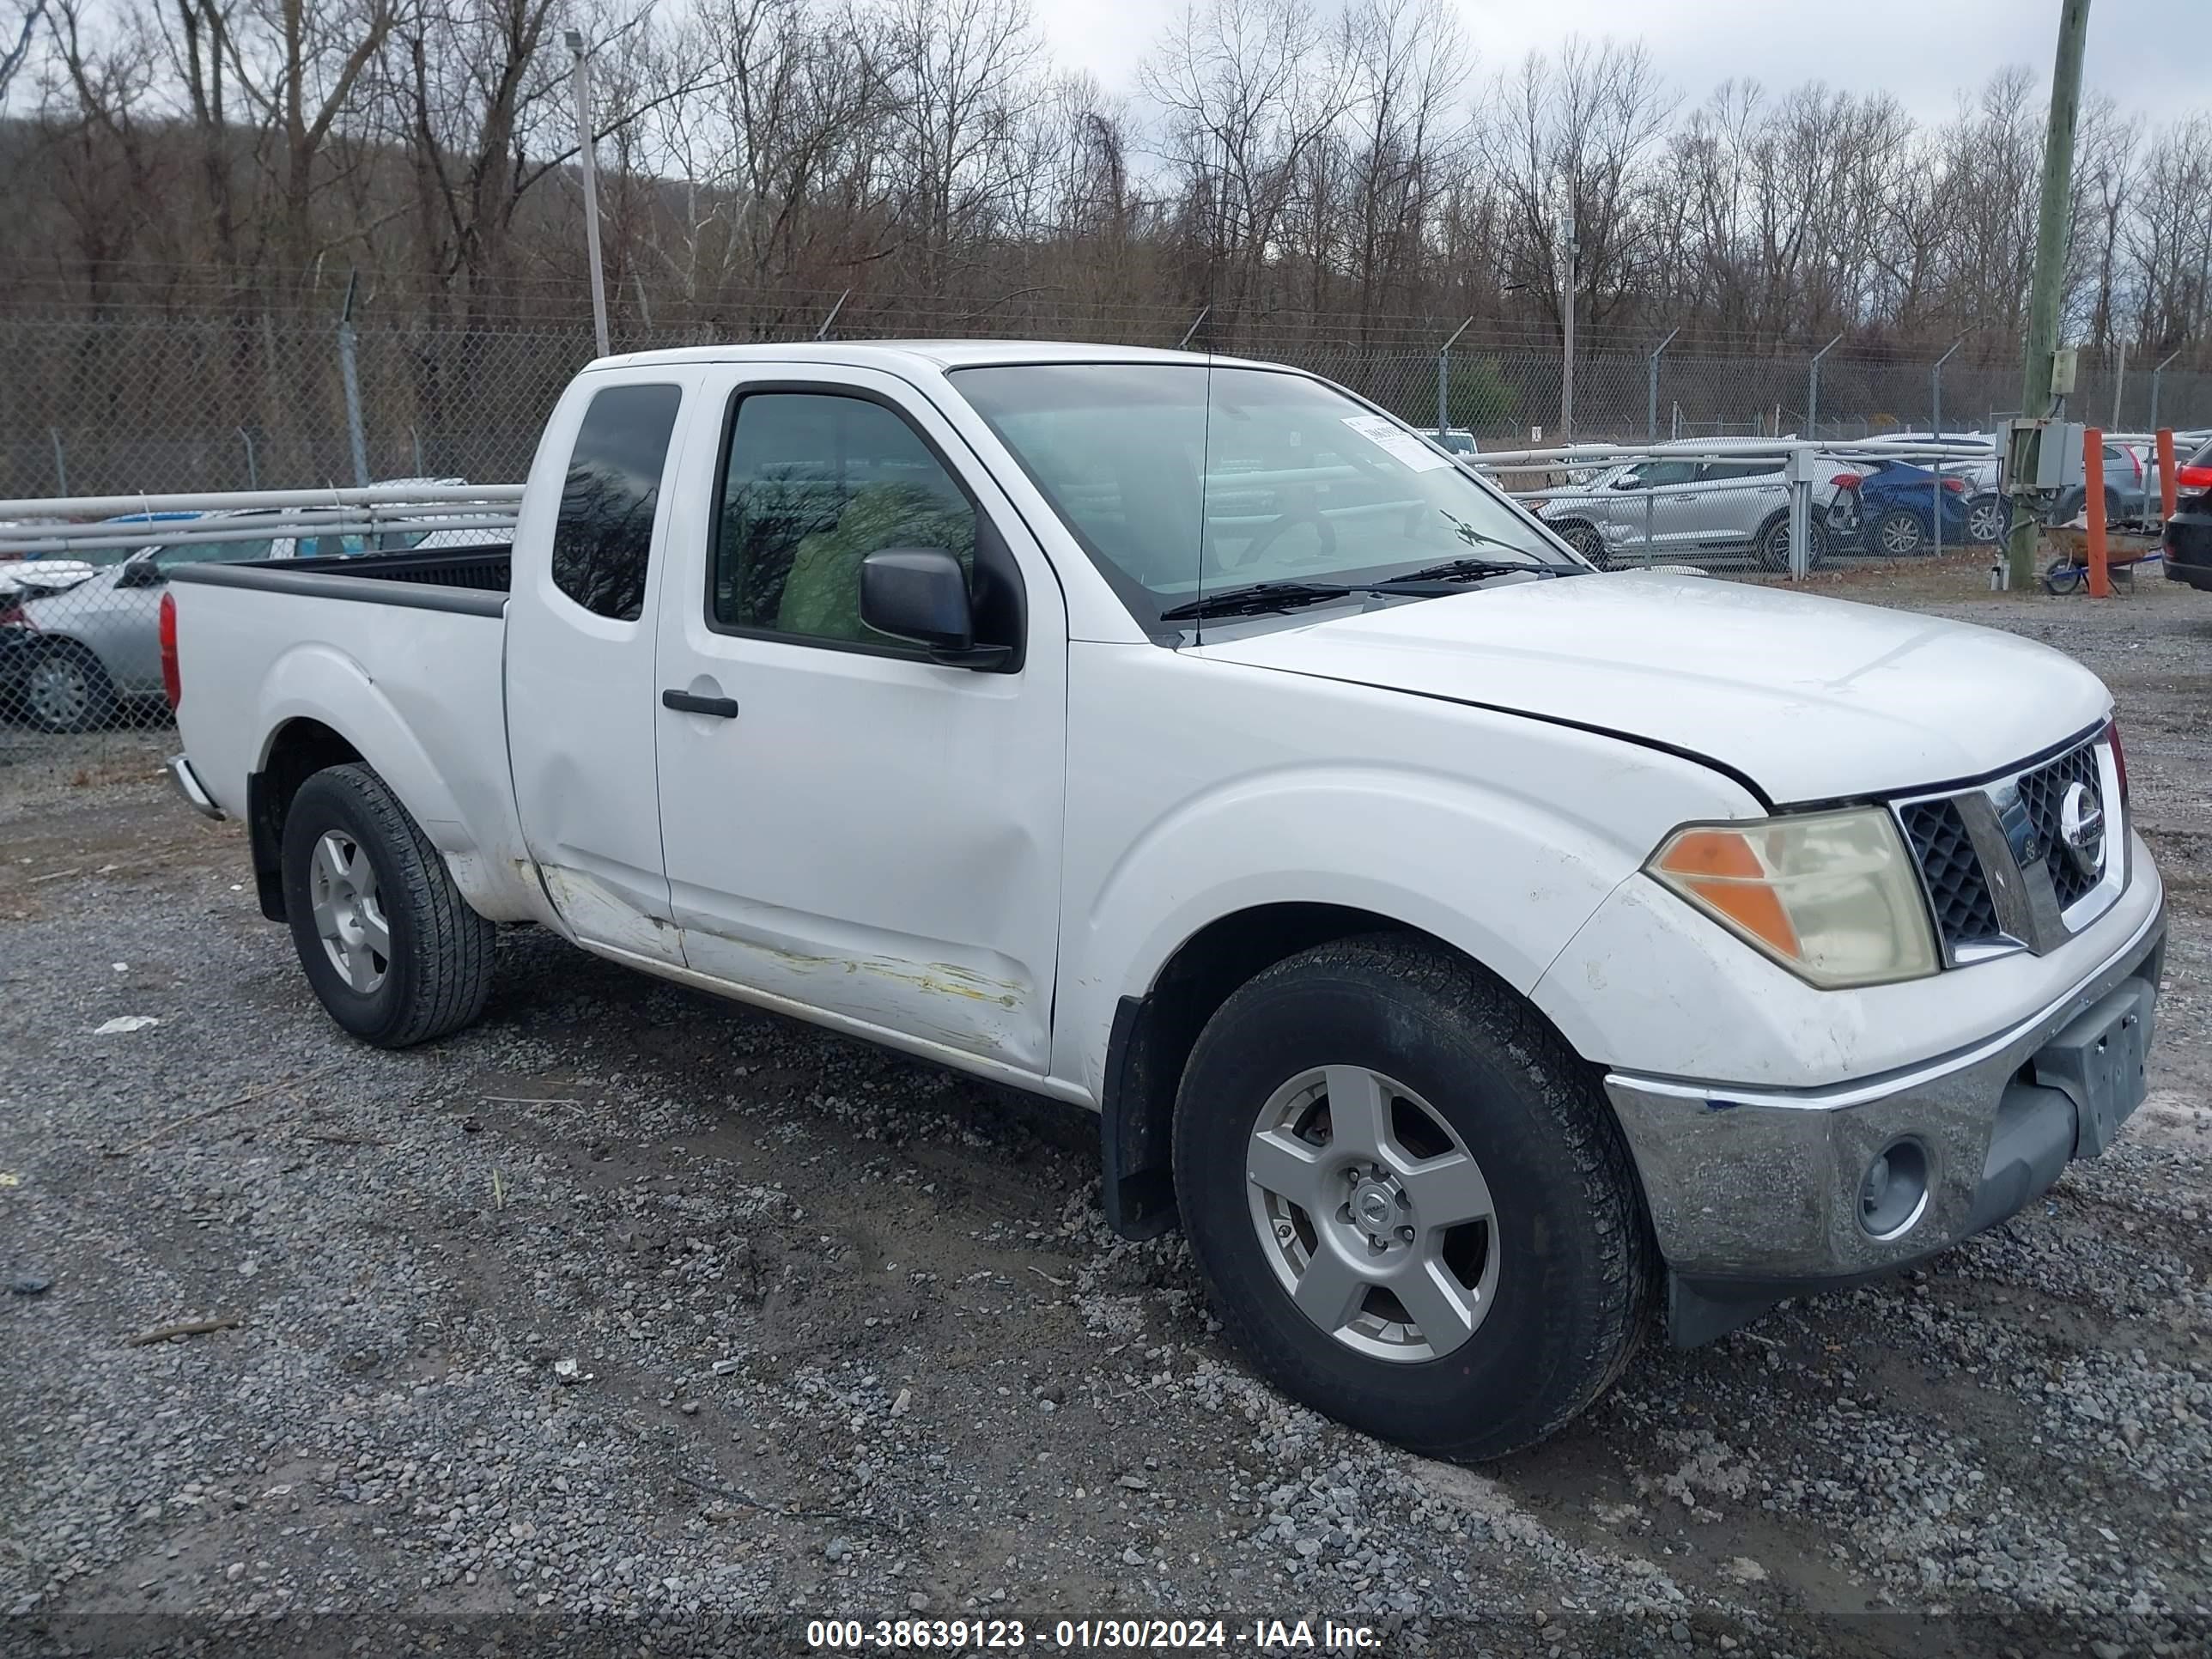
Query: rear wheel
{"x": 1771, "y": 548}
{"x": 1412, "y": 1207}
{"x": 1900, "y": 533}
{"x": 2063, "y": 577}
{"x": 68, "y": 691}
{"x": 393, "y": 950}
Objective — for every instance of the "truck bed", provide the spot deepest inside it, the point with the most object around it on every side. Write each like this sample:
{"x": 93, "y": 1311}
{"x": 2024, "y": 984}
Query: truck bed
{"x": 400, "y": 652}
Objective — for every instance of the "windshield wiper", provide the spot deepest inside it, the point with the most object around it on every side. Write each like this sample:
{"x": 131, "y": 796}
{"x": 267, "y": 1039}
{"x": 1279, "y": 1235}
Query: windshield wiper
{"x": 1262, "y": 596}
{"x": 1470, "y": 535}
{"x": 1453, "y": 570}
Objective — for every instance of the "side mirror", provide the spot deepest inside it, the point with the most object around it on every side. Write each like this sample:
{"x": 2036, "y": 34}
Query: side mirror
{"x": 1628, "y": 480}
{"x": 921, "y": 593}
{"x": 142, "y": 573}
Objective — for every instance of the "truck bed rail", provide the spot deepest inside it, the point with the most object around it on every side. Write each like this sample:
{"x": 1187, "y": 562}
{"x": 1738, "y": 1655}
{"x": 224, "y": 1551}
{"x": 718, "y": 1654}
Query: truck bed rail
{"x": 464, "y": 580}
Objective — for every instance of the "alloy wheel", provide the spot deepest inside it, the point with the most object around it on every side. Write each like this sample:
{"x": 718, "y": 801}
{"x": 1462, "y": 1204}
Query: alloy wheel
{"x": 59, "y": 692}
{"x": 1372, "y": 1213}
{"x": 348, "y": 913}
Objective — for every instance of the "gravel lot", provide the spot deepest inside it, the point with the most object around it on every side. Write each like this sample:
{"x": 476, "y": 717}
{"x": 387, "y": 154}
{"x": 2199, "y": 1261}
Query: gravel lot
{"x": 630, "y": 1306}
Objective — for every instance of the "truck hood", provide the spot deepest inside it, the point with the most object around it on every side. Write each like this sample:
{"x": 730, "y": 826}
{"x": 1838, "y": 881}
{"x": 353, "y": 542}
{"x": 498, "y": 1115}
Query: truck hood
{"x": 1811, "y": 699}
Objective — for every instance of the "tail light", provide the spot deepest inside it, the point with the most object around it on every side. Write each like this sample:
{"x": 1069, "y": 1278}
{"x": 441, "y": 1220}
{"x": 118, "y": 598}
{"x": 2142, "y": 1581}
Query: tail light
{"x": 173, "y": 685}
{"x": 1846, "y": 481}
{"x": 2119, "y": 759}
{"x": 11, "y": 614}
{"x": 1956, "y": 486}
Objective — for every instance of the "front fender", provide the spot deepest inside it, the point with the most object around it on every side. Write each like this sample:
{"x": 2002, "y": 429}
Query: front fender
{"x": 1488, "y": 870}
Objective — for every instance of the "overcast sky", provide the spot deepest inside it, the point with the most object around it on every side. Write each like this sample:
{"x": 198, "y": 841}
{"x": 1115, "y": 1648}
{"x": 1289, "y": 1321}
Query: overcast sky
{"x": 2149, "y": 53}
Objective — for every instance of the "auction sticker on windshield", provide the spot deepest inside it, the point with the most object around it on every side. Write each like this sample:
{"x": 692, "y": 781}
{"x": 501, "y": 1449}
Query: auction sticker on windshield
{"x": 1400, "y": 443}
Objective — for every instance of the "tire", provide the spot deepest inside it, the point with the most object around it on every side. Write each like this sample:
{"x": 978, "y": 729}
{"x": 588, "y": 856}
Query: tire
{"x": 1770, "y": 548}
{"x": 67, "y": 690}
{"x": 434, "y": 969}
{"x": 1899, "y": 533}
{"x": 2063, "y": 577}
{"x": 1561, "y": 1275}
{"x": 1988, "y": 516}
{"x": 1582, "y": 537}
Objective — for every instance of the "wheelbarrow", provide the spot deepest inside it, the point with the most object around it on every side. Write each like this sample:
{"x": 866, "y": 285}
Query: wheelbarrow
{"x": 2068, "y": 571}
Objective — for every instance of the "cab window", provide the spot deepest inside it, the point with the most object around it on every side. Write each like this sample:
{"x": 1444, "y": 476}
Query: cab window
{"x": 816, "y": 482}
{"x": 603, "y": 537}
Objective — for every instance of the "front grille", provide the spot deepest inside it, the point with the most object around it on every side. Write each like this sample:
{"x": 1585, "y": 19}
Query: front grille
{"x": 1958, "y": 890}
{"x": 2042, "y": 793}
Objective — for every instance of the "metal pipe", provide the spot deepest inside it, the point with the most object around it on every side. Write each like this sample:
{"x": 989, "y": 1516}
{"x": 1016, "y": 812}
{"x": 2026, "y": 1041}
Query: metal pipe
{"x": 357, "y": 436}
{"x": 1935, "y": 388}
{"x": 1651, "y": 387}
{"x": 61, "y": 460}
{"x": 586, "y": 147}
{"x": 1203, "y": 312}
{"x": 1443, "y": 364}
{"x": 2119, "y": 381}
{"x": 1813, "y": 389}
{"x": 252, "y": 471}
{"x": 244, "y": 501}
{"x": 822, "y": 332}
{"x": 2155, "y": 374}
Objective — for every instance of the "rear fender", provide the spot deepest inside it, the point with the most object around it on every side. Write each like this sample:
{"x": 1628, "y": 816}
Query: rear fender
{"x": 317, "y": 682}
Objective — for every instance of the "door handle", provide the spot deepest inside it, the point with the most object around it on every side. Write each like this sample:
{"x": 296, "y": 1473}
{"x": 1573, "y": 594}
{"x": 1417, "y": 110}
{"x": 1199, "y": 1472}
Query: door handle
{"x": 690, "y": 702}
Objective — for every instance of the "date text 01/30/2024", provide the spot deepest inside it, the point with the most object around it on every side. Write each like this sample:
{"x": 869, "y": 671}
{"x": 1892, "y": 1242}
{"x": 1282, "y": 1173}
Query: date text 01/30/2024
{"x": 1089, "y": 1635}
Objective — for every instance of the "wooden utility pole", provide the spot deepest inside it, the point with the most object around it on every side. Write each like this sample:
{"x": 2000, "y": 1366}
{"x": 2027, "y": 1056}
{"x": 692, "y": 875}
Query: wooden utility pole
{"x": 2043, "y": 292}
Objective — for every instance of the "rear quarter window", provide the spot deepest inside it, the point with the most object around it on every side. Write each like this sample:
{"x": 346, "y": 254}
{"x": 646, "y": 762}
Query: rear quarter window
{"x": 604, "y": 538}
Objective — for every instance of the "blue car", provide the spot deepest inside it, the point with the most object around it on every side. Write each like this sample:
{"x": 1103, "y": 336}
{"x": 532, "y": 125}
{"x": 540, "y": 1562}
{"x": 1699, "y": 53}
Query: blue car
{"x": 1892, "y": 507}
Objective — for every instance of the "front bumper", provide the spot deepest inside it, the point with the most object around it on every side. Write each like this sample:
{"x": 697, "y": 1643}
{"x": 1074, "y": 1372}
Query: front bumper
{"x": 1754, "y": 1195}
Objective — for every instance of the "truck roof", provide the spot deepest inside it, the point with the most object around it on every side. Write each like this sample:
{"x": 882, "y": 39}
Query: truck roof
{"x": 910, "y": 354}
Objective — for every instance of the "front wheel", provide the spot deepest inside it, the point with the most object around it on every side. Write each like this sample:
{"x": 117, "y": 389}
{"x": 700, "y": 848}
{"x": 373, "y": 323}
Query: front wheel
{"x": 2063, "y": 577}
{"x": 394, "y": 952}
{"x": 1410, "y": 1205}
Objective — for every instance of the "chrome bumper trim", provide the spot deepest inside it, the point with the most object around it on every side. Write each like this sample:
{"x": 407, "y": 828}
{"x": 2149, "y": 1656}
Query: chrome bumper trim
{"x": 1763, "y": 1183}
{"x": 187, "y": 784}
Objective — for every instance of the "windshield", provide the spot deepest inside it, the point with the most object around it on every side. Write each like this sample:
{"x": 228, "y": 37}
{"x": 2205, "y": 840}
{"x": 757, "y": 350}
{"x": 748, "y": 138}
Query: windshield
{"x": 1299, "y": 482}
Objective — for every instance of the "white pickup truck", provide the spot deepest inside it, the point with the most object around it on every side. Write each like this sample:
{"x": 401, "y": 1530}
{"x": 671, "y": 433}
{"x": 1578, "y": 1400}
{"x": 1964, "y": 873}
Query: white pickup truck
{"x": 1487, "y": 958}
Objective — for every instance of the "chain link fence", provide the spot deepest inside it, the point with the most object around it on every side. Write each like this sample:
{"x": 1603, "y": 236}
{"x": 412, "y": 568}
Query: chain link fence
{"x": 141, "y": 404}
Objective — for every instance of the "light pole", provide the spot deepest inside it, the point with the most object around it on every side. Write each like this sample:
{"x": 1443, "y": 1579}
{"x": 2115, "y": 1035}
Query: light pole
{"x": 584, "y": 149}
{"x": 1567, "y": 340}
{"x": 2046, "y": 284}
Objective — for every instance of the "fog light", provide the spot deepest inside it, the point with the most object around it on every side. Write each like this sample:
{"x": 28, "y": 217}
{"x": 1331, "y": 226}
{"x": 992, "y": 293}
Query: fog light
{"x": 1894, "y": 1194}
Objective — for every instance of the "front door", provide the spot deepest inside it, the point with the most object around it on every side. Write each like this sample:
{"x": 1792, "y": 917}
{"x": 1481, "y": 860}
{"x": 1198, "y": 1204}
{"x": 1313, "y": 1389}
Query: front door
{"x": 1656, "y": 508}
{"x": 850, "y": 826}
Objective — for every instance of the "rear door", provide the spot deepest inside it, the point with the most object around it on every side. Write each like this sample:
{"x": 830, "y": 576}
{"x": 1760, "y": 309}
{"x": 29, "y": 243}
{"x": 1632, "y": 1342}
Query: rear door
{"x": 851, "y": 827}
{"x": 580, "y": 691}
{"x": 1737, "y": 497}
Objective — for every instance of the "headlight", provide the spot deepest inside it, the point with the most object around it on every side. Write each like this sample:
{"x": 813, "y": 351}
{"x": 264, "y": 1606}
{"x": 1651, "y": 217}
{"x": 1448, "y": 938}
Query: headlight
{"x": 1830, "y": 895}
